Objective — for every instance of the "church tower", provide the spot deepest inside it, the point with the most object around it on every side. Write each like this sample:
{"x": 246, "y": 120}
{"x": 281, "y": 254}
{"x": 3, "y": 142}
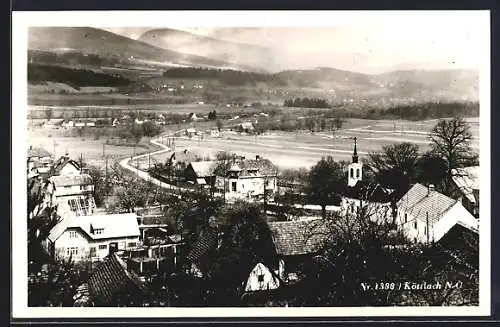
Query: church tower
{"x": 355, "y": 168}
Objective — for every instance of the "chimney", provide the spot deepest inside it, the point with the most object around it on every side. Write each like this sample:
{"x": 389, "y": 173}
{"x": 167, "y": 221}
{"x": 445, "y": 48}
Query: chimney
{"x": 257, "y": 157}
{"x": 430, "y": 189}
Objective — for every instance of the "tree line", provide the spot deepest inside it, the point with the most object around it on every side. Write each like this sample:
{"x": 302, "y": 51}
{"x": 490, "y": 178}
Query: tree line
{"x": 75, "y": 77}
{"x": 307, "y": 103}
{"x": 225, "y": 76}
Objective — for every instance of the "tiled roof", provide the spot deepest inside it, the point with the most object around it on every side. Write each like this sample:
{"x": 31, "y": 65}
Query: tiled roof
{"x": 422, "y": 203}
{"x": 38, "y": 152}
{"x": 467, "y": 179}
{"x": 206, "y": 242}
{"x": 114, "y": 226}
{"x": 299, "y": 237}
{"x": 204, "y": 168}
{"x": 109, "y": 278}
{"x": 71, "y": 180}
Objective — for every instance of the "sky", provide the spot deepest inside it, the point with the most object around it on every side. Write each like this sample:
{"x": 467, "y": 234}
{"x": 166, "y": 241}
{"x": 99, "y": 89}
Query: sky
{"x": 432, "y": 43}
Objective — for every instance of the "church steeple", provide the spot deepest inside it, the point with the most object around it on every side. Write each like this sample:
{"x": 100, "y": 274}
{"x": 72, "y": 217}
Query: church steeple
{"x": 355, "y": 154}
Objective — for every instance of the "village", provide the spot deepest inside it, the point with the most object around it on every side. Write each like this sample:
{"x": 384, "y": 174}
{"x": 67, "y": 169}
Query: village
{"x": 235, "y": 230}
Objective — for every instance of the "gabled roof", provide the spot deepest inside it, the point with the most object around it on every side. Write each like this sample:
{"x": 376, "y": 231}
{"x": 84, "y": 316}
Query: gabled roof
{"x": 467, "y": 180}
{"x": 115, "y": 226}
{"x": 63, "y": 161}
{"x": 204, "y": 168}
{"x": 110, "y": 278}
{"x": 71, "y": 180}
{"x": 299, "y": 237}
{"x": 38, "y": 152}
{"x": 421, "y": 202}
{"x": 206, "y": 242}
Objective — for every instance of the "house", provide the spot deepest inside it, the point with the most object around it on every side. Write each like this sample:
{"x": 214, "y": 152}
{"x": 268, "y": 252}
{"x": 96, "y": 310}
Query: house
{"x": 296, "y": 242}
{"x": 74, "y": 190}
{"x": 111, "y": 284}
{"x": 65, "y": 166}
{"x": 466, "y": 182}
{"x": 116, "y": 122}
{"x": 214, "y": 133}
{"x": 427, "y": 215}
{"x": 246, "y": 127}
{"x": 39, "y": 161}
{"x": 89, "y": 238}
{"x": 375, "y": 201}
{"x": 250, "y": 178}
{"x": 68, "y": 124}
{"x": 190, "y": 132}
{"x": 261, "y": 279}
{"x": 202, "y": 172}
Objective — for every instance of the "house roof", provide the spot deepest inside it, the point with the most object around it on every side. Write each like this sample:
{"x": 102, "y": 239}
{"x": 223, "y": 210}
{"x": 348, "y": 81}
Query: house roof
{"x": 109, "y": 278}
{"x": 467, "y": 180}
{"x": 423, "y": 203}
{"x": 70, "y": 180}
{"x": 38, "y": 152}
{"x": 63, "y": 161}
{"x": 299, "y": 237}
{"x": 206, "y": 242}
{"x": 204, "y": 168}
{"x": 115, "y": 226}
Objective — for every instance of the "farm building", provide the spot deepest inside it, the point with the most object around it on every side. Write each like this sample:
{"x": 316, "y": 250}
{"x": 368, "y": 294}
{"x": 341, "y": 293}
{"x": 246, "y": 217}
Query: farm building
{"x": 296, "y": 242}
{"x": 427, "y": 215}
{"x": 65, "y": 166}
{"x": 202, "y": 172}
{"x": 92, "y": 237}
{"x": 467, "y": 188}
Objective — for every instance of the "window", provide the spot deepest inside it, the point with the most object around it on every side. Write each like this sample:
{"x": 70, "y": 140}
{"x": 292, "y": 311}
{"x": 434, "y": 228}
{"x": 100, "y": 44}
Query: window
{"x": 233, "y": 186}
{"x": 121, "y": 245}
{"x": 357, "y": 173}
{"x": 103, "y": 247}
{"x": 72, "y": 251}
{"x": 352, "y": 172}
{"x": 406, "y": 217}
{"x": 415, "y": 224}
{"x": 260, "y": 278}
{"x": 73, "y": 234}
{"x": 93, "y": 252}
{"x": 98, "y": 231}
{"x": 132, "y": 245}
{"x": 425, "y": 230}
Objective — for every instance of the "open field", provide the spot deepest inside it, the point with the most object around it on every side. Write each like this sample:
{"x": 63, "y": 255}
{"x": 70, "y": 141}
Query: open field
{"x": 91, "y": 150}
{"x": 302, "y": 149}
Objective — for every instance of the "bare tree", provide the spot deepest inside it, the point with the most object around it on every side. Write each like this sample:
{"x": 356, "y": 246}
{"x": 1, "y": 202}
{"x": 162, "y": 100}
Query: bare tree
{"x": 450, "y": 140}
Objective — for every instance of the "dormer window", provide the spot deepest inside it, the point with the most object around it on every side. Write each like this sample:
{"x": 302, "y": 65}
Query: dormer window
{"x": 98, "y": 231}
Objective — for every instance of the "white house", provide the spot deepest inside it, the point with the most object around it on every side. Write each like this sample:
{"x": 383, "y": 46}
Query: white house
{"x": 427, "y": 215}
{"x": 261, "y": 279}
{"x": 66, "y": 166}
{"x": 249, "y": 178}
{"x": 90, "y": 237}
{"x": 74, "y": 190}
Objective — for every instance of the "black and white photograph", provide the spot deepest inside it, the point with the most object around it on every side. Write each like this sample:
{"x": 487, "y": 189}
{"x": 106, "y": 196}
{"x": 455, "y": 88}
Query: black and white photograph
{"x": 251, "y": 163}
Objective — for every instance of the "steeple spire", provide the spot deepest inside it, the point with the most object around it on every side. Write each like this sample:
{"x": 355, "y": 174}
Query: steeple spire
{"x": 355, "y": 154}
